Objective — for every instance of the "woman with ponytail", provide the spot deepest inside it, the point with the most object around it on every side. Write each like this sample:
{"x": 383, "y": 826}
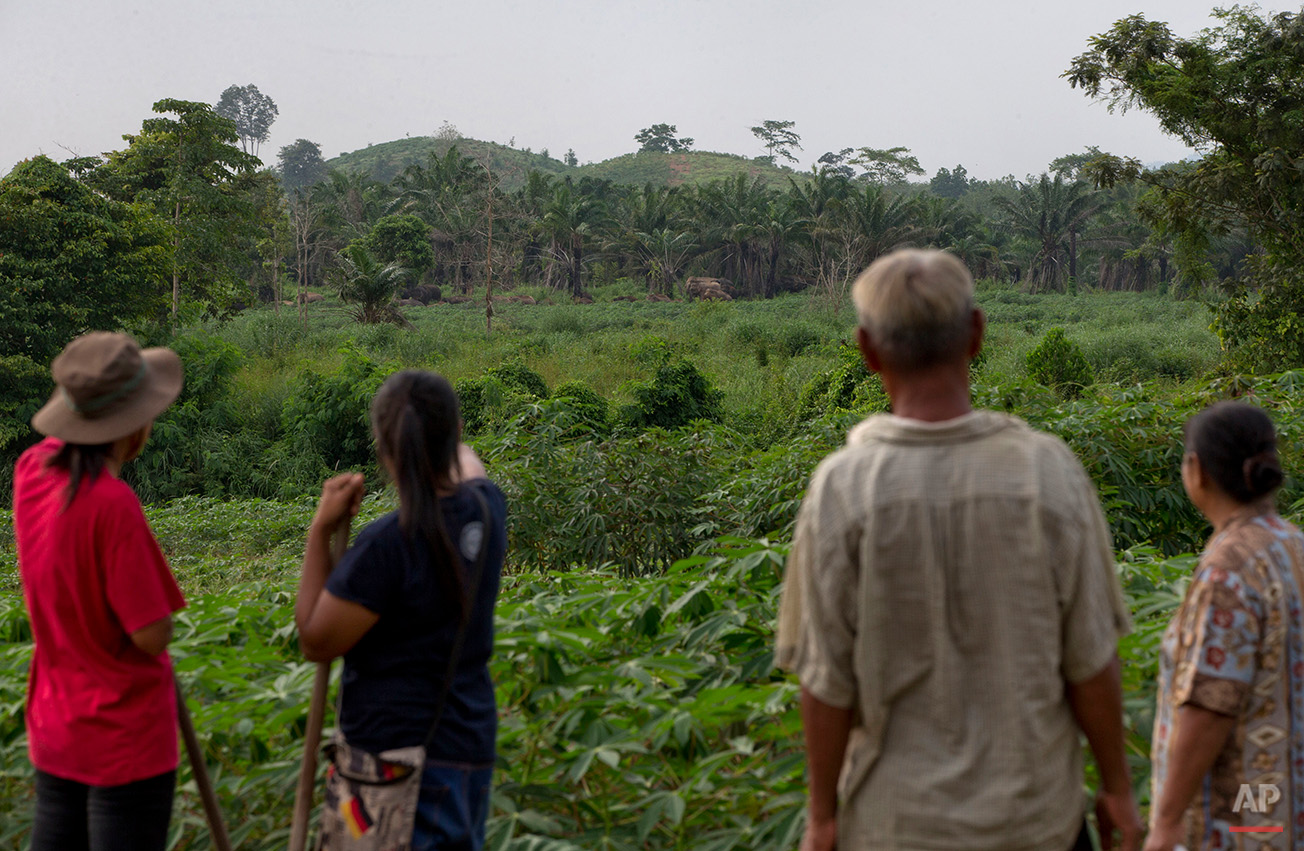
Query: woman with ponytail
{"x": 1228, "y": 745}
{"x": 101, "y": 710}
{"x": 410, "y": 607}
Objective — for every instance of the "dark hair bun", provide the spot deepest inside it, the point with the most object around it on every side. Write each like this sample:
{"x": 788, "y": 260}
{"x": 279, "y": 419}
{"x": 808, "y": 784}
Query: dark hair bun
{"x": 1263, "y": 474}
{"x": 1237, "y": 448}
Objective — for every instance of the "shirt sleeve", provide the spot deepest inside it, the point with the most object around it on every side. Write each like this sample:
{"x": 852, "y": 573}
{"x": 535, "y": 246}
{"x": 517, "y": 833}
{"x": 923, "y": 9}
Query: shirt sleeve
{"x": 1093, "y": 611}
{"x": 1220, "y": 632}
{"x": 366, "y": 576}
{"x": 816, "y": 632}
{"x": 137, "y": 580}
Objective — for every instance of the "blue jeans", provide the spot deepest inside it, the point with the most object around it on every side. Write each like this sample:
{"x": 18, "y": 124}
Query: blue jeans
{"x": 72, "y": 816}
{"x": 453, "y": 807}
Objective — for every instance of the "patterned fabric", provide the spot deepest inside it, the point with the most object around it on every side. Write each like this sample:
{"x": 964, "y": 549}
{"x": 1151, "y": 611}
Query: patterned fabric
{"x": 371, "y": 799}
{"x": 945, "y": 581}
{"x": 1236, "y": 647}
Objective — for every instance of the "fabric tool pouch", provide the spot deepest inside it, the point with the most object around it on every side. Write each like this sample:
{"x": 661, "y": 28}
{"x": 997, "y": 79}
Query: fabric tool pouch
{"x": 371, "y": 798}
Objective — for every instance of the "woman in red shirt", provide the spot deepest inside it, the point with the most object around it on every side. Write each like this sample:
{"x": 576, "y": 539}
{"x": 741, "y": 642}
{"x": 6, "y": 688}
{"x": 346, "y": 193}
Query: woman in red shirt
{"x": 101, "y": 707}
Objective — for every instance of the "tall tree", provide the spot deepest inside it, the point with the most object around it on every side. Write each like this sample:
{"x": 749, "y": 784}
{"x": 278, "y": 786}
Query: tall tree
{"x": 301, "y": 165}
{"x": 1233, "y": 92}
{"x": 1052, "y": 215}
{"x": 571, "y": 220}
{"x": 948, "y": 183}
{"x": 662, "y": 138}
{"x": 72, "y": 260}
{"x": 186, "y": 166}
{"x": 886, "y": 166}
{"x": 779, "y": 138}
{"x": 253, "y": 113}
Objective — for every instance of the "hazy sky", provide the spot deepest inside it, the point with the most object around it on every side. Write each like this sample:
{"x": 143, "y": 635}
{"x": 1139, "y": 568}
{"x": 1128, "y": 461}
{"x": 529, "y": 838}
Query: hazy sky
{"x": 959, "y": 81}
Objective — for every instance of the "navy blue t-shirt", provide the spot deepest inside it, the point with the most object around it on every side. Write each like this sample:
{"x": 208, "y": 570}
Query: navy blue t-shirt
{"x": 393, "y": 675}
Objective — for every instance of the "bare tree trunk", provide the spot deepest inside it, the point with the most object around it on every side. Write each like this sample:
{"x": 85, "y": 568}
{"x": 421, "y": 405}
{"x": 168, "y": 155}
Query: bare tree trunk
{"x": 489, "y": 266}
{"x": 176, "y": 271}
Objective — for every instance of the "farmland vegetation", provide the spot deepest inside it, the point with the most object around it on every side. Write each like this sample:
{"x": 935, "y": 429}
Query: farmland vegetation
{"x": 653, "y": 449}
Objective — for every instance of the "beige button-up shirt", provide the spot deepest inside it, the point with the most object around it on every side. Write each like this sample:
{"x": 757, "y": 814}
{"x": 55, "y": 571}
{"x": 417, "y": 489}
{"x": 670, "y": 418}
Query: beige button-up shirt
{"x": 945, "y": 581}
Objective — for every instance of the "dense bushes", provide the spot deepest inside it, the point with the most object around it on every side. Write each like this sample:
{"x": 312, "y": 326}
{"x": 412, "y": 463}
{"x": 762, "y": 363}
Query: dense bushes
{"x": 1058, "y": 363}
{"x": 675, "y": 396}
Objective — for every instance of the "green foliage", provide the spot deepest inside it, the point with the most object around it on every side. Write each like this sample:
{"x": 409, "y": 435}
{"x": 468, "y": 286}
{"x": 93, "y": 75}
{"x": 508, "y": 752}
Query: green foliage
{"x": 889, "y": 166}
{"x": 252, "y": 112}
{"x": 327, "y": 416}
{"x": 300, "y": 165}
{"x": 489, "y": 402}
{"x": 1251, "y": 176}
{"x": 676, "y": 396}
{"x": 662, "y": 139}
{"x": 71, "y": 261}
{"x": 369, "y": 285}
{"x": 187, "y": 169}
{"x": 517, "y": 375}
{"x": 1058, "y": 363}
{"x": 592, "y": 410}
{"x": 848, "y": 387}
{"x": 402, "y": 240}
{"x": 779, "y": 139}
{"x": 24, "y": 387}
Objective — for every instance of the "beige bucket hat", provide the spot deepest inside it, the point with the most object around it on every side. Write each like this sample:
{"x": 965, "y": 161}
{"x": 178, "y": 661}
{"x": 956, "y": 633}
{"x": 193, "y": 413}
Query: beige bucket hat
{"x": 108, "y": 387}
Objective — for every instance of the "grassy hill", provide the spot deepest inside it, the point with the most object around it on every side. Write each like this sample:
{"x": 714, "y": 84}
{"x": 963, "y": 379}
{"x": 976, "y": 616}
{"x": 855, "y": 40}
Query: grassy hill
{"x": 694, "y": 167}
{"x": 387, "y": 160}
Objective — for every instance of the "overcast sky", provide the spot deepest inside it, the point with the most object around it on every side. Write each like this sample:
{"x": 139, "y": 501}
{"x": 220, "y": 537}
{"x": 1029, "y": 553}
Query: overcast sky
{"x": 956, "y": 81}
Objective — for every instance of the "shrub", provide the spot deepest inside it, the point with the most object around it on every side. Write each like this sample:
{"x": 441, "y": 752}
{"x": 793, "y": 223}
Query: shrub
{"x": 676, "y": 396}
{"x": 327, "y": 415}
{"x": 847, "y": 387}
{"x": 488, "y": 401}
{"x": 590, "y": 409}
{"x": 798, "y": 339}
{"x": 650, "y": 351}
{"x": 1058, "y": 363}
{"x": 517, "y": 375}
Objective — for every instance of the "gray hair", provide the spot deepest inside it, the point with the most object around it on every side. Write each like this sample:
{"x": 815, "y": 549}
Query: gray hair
{"x": 916, "y": 306}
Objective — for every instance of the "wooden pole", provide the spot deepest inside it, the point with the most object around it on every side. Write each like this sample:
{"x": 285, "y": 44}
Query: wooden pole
{"x": 316, "y": 721}
{"x": 216, "y": 826}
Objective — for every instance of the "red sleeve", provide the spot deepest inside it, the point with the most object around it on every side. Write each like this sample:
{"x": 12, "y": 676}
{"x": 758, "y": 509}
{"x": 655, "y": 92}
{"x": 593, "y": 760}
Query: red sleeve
{"x": 137, "y": 579}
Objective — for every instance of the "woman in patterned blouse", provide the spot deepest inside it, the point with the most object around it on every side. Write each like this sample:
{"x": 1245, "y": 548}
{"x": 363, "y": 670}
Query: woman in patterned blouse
{"x": 1228, "y": 745}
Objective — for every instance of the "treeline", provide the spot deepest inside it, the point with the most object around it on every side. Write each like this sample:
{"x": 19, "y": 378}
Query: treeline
{"x": 1051, "y": 233}
{"x": 183, "y": 223}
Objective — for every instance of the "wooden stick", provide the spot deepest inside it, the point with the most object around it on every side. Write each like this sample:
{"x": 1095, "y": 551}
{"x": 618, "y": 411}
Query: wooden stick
{"x": 316, "y": 720}
{"x": 216, "y": 826}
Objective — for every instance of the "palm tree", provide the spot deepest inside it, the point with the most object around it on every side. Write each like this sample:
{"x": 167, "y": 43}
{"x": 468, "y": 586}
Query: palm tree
{"x": 570, "y": 220}
{"x": 817, "y": 204}
{"x": 1051, "y": 214}
{"x": 362, "y": 281}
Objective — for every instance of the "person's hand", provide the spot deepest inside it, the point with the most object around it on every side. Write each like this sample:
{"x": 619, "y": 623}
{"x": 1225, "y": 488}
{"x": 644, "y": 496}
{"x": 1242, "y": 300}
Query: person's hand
{"x": 469, "y": 464}
{"x": 821, "y": 835}
{"x": 1116, "y": 811}
{"x": 341, "y": 497}
{"x": 1166, "y": 836}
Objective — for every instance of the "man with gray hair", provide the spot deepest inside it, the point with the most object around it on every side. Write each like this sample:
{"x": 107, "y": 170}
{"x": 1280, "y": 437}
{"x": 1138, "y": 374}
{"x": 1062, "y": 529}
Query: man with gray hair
{"x": 951, "y": 607}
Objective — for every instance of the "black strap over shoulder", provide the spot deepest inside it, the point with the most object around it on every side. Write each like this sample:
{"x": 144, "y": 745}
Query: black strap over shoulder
{"x": 474, "y": 587}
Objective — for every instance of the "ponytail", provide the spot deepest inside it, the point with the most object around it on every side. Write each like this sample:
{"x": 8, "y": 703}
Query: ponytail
{"x": 415, "y": 419}
{"x": 80, "y": 461}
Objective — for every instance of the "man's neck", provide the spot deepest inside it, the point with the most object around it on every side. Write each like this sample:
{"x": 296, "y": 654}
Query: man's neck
{"x": 930, "y": 395}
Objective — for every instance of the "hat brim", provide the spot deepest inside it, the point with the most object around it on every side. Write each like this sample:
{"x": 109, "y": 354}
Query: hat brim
{"x": 162, "y": 385}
